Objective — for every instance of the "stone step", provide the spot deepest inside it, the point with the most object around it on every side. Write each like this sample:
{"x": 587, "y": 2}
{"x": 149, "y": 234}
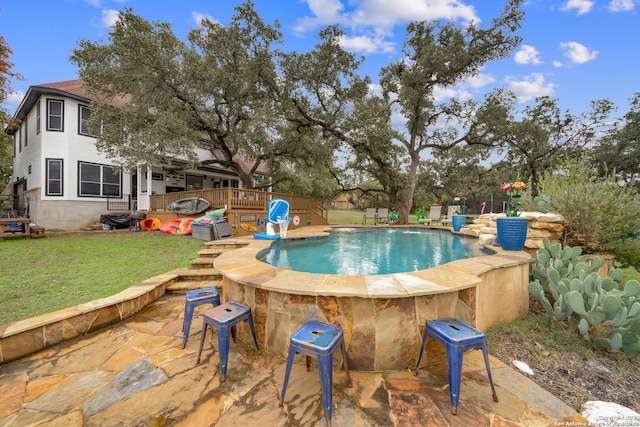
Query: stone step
{"x": 181, "y": 287}
{"x": 229, "y": 243}
{"x": 195, "y": 274}
{"x": 202, "y": 262}
{"x": 211, "y": 252}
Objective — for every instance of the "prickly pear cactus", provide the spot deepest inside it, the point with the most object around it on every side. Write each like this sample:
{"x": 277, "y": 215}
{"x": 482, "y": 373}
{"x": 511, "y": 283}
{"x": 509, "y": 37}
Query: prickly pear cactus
{"x": 569, "y": 289}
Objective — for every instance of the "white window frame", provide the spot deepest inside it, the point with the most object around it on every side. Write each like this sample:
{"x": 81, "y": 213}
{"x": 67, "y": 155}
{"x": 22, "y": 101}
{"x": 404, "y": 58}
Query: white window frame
{"x": 104, "y": 172}
{"x": 50, "y": 179}
{"x": 83, "y": 129}
{"x": 38, "y": 118}
{"x": 50, "y": 115}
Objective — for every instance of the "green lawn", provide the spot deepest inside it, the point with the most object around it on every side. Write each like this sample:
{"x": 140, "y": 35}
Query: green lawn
{"x": 44, "y": 275}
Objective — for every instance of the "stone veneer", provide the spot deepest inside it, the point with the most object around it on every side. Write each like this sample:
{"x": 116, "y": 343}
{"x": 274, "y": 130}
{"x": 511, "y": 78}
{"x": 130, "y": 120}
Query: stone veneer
{"x": 383, "y": 316}
{"x": 541, "y": 225}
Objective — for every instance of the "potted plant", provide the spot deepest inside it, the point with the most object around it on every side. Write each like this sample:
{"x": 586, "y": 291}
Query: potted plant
{"x": 458, "y": 220}
{"x": 512, "y": 229}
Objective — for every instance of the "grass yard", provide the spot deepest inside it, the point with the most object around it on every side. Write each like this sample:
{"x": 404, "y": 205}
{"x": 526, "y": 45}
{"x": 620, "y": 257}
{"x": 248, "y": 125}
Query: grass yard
{"x": 62, "y": 270}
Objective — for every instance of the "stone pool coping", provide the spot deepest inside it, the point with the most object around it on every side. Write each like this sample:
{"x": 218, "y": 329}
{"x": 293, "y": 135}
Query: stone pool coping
{"x": 242, "y": 266}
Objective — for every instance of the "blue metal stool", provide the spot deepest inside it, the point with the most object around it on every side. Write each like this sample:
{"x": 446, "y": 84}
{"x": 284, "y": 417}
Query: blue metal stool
{"x": 193, "y": 299}
{"x": 224, "y": 318}
{"x": 315, "y": 339}
{"x": 457, "y": 337}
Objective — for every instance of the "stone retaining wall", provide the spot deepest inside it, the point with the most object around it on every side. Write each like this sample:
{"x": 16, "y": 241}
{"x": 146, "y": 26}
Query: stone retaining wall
{"x": 541, "y": 225}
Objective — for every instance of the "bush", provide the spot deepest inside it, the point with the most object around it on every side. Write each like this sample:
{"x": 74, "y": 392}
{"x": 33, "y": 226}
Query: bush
{"x": 601, "y": 215}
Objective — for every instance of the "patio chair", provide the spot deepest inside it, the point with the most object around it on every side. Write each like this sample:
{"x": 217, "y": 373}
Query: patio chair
{"x": 369, "y": 213}
{"x": 434, "y": 215}
{"x": 451, "y": 210}
{"x": 383, "y": 213}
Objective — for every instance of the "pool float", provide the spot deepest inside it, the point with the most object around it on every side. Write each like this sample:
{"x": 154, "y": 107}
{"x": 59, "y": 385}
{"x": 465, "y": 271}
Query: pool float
{"x": 177, "y": 226}
{"x": 150, "y": 224}
{"x": 248, "y": 227}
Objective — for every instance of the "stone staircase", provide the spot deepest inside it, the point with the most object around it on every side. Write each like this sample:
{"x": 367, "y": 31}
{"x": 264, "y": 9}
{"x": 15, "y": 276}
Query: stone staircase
{"x": 202, "y": 273}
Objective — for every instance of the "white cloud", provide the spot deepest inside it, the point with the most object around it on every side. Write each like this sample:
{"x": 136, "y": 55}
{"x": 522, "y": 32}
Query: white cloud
{"x": 199, "y": 17}
{"x": 109, "y": 17}
{"x": 371, "y": 21}
{"x": 578, "y": 53}
{"x": 557, "y": 64}
{"x": 582, "y": 6}
{"x": 388, "y": 13}
{"x": 531, "y": 87}
{"x": 367, "y": 44}
{"x": 94, "y": 3}
{"x": 479, "y": 81}
{"x": 13, "y": 99}
{"x": 527, "y": 55}
{"x": 326, "y": 12}
{"x": 620, "y": 5}
{"x": 443, "y": 93}
{"x": 385, "y": 13}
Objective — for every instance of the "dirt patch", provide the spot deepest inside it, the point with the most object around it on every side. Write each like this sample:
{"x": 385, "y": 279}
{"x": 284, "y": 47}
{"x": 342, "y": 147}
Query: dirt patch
{"x": 566, "y": 365}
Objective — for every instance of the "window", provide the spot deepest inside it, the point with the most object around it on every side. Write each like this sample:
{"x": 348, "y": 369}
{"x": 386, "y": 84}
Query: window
{"x": 98, "y": 180}
{"x": 19, "y": 135}
{"x": 54, "y": 177}
{"x": 83, "y": 116}
{"x": 194, "y": 182}
{"x": 38, "y": 117}
{"x": 55, "y": 115}
{"x": 25, "y": 125}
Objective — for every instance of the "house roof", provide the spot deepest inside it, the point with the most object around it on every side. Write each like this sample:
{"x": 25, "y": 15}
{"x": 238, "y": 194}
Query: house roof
{"x": 68, "y": 88}
{"x": 76, "y": 90}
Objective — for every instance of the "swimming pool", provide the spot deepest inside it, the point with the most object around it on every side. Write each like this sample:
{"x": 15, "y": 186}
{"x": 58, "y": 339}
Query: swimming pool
{"x": 356, "y": 251}
{"x": 383, "y": 315}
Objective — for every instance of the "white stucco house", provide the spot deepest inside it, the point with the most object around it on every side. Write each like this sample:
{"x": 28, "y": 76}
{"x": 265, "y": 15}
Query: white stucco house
{"x": 62, "y": 182}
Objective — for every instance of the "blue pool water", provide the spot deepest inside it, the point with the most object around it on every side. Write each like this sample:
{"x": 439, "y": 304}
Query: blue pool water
{"x": 355, "y": 251}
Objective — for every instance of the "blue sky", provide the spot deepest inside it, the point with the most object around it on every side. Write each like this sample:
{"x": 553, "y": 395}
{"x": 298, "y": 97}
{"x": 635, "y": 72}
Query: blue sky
{"x": 573, "y": 50}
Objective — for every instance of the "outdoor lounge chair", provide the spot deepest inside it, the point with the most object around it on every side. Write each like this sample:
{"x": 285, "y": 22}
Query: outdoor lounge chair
{"x": 383, "y": 213}
{"x": 434, "y": 215}
{"x": 369, "y": 213}
{"x": 451, "y": 210}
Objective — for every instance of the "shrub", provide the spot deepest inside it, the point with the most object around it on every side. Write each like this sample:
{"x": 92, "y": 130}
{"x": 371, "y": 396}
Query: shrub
{"x": 601, "y": 215}
{"x": 570, "y": 290}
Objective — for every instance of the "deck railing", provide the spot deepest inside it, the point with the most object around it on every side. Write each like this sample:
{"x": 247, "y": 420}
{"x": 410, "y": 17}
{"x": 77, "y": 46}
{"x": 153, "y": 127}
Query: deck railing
{"x": 122, "y": 203}
{"x": 239, "y": 199}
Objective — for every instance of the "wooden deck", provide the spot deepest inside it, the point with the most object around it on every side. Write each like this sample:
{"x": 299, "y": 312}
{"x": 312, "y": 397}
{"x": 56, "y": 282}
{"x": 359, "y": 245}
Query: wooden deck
{"x": 242, "y": 206}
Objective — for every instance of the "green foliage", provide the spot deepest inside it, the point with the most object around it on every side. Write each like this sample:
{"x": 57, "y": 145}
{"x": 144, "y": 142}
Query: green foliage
{"x": 6, "y": 163}
{"x": 619, "y": 150}
{"x": 570, "y": 290}
{"x": 601, "y": 215}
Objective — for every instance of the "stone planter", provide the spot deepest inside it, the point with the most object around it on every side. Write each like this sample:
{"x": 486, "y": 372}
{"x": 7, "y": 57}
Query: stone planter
{"x": 512, "y": 232}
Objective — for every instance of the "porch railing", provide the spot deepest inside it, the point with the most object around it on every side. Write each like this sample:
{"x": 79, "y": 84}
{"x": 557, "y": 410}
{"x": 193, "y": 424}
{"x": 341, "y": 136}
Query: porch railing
{"x": 122, "y": 203}
{"x": 240, "y": 199}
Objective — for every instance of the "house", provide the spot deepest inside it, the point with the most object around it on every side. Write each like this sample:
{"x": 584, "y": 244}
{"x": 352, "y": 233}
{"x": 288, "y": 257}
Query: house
{"x": 62, "y": 182}
{"x": 346, "y": 201}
